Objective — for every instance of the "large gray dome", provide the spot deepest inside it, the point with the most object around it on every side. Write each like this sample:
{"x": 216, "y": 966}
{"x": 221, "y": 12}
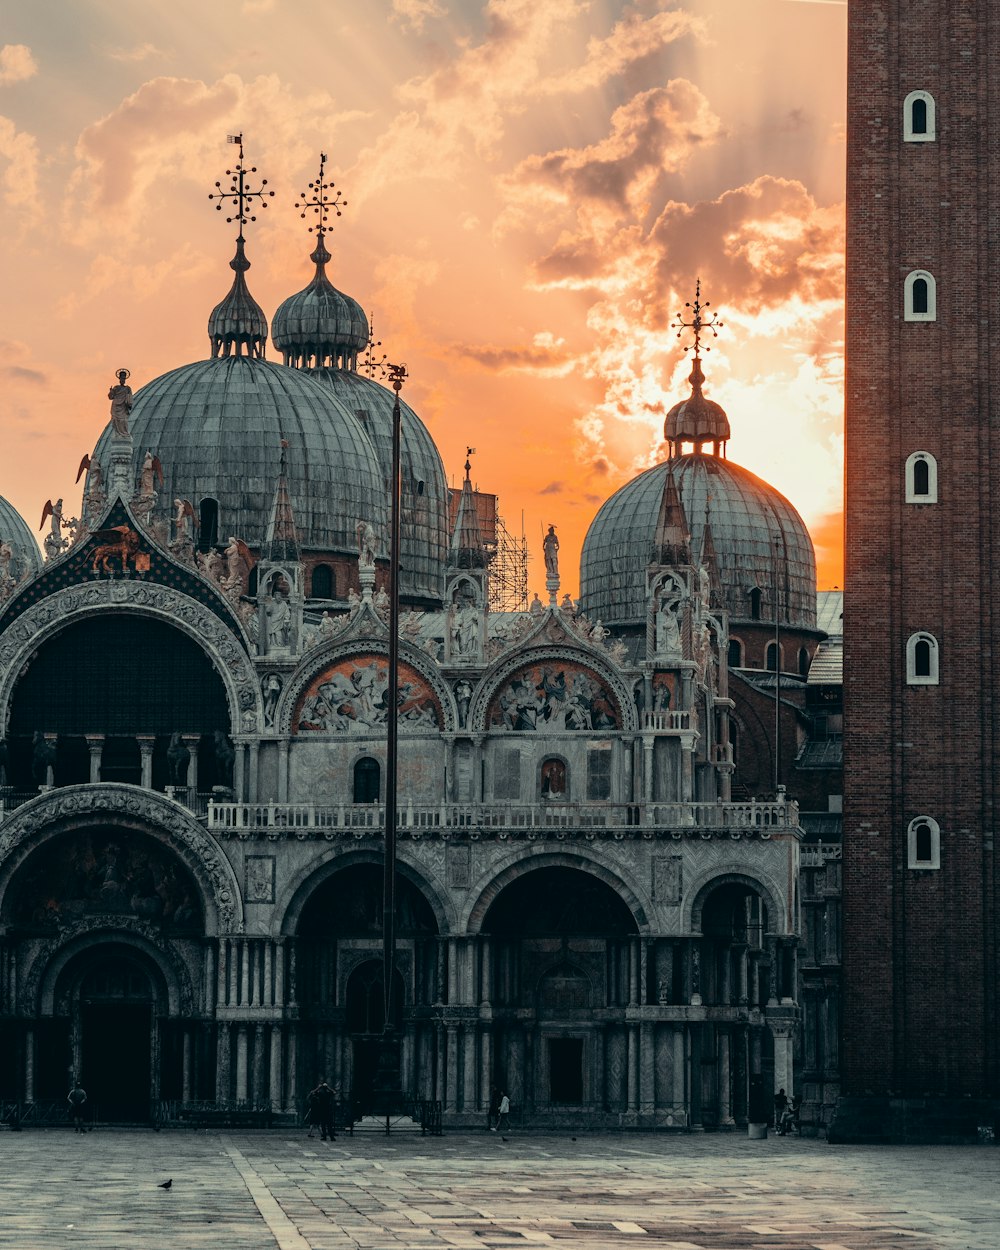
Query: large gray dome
{"x": 26, "y": 558}
{"x": 217, "y": 428}
{"x": 424, "y": 502}
{"x": 745, "y": 515}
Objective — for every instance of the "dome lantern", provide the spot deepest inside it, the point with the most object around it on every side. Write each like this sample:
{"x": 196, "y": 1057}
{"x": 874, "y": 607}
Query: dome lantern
{"x": 696, "y": 420}
{"x": 237, "y": 325}
{"x": 320, "y": 327}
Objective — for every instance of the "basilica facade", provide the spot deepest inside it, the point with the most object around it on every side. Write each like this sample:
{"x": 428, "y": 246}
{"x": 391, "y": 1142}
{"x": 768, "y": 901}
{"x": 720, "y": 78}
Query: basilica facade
{"x": 599, "y": 905}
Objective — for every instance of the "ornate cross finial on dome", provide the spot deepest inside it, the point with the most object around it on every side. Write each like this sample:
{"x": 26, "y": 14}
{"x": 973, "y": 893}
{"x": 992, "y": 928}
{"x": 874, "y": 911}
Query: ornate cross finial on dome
{"x": 369, "y": 363}
{"x": 320, "y": 203}
{"x": 238, "y": 323}
{"x": 698, "y": 322}
{"x": 239, "y": 194}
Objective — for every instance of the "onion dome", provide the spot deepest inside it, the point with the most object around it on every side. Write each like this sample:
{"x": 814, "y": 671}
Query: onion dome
{"x": 696, "y": 419}
{"x": 320, "y": 331}
{"x": 747, "y": 534}
{"x": 744, "y": 515}
{"x": 217, "y": 427}
{"x": 25, "y": 558}
{"x": 424, "y": 528}
{"x": 320, "y": 326}
{"x": 238, "y": 324}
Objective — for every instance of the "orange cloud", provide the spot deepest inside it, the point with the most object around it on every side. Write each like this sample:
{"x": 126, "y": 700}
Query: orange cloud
{"x": 17, "y": 63}
{"x": 18, "y": 164}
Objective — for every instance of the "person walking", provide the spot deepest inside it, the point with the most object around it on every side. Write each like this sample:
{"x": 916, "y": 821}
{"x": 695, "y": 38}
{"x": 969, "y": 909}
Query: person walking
{"x": 322, "y": 1103}
{"x": 76, "y": 1098}
{"x": 503, "y": 1112}
{"x": 780, "y": 1107}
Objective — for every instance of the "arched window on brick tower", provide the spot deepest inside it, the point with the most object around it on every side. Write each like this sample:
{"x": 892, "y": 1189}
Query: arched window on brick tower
{"x": 922, "y": 660}
{"x": 923, "y": 843}
{"x": 919, "y": 296}
{"x": 919, "y": 118}
{"x": 921, "y": 478}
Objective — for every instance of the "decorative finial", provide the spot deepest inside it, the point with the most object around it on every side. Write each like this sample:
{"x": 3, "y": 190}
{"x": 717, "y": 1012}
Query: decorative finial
{"x": 397, "y": 376}
{"x": 469, "y": 451}
{"x": 320, "y": 203}
{"x": 239, "y": 194}
{"x": 369, "y": 364}
{"x": 698, "y": 322}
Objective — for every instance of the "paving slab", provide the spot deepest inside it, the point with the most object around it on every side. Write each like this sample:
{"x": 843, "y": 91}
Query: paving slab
{"x": 244, "y": 1191}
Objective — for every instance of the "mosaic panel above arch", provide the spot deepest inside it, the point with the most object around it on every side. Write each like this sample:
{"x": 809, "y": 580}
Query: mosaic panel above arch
{"x": 554, "y": 695}
{"x": 101, "y": 874}
{"x": 351, "y": 696}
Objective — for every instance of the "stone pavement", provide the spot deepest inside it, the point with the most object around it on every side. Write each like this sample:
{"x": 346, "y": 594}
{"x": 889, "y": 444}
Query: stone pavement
{"x": 244, "y": 1191}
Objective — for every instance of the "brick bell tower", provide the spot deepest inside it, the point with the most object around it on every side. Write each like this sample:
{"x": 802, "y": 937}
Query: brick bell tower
{"x": 922, "y": 609}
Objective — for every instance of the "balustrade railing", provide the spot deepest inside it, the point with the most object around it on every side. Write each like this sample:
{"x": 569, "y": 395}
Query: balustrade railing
{"x": 249, "y": 817}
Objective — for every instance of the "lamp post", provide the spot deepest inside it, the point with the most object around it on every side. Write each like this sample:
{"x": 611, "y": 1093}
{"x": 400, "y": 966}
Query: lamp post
{"x": 388, "y": 1078}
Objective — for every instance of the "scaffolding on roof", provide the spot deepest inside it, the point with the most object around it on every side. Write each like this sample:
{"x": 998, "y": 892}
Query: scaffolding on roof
{"x": 507, "y": 554}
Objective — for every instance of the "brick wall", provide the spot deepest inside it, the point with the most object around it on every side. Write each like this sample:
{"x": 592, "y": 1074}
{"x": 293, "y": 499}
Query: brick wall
{"x": 920, "y": 964}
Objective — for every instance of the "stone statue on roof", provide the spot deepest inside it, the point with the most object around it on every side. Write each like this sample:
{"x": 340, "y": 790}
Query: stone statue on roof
{"x": 121, "y": 404}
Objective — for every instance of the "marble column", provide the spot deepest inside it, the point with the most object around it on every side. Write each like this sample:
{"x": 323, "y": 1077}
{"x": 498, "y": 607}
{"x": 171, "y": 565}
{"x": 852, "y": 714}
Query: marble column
{"x": 485, "y": 1066}
{"x": 146, "y": 744}
{"x": 191, "y": 742}
{"x": 632, "y": 1059}
{"x": 647, "y": 1069}
{"x": 95, "y": 745}
{"x": 680, "y": 1071}
{"x": 253, "y": 772}
{"x": 242, "y": 1071}
{"x": 486, "y": 971}
{"x": 451, "y": 1079}
{"x": 283, "y": 745}
{"x": 258, "y": 1065}
{"x": 274, "y": 1076}
{"x": 725, "y": 1078}
{"x": 223, "y": 1063}
{"x": 783, "y": 1035}
{"x": 469, "y": 1069}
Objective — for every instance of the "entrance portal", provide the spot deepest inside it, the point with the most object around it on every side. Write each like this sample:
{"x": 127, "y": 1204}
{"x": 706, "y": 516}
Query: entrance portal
{"x": 115, "y": 1059}
{"x": 116, "y": 1034}
{"x": 566, "y": 1069}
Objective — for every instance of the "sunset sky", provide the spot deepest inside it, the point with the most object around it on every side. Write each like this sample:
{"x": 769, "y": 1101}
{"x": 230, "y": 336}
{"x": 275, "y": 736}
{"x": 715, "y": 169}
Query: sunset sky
{"x": 533, "y": 188}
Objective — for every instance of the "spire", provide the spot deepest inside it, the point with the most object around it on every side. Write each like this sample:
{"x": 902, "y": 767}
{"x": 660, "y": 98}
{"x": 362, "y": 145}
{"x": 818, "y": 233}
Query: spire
{"x": 281, "y": 543}
{"x": 237, "y": 325}
{"x": 696, "y": 420}
{"x": 672, "y": 540}
{"x": 708, "y": 560}
{"x": 467, "y": 548}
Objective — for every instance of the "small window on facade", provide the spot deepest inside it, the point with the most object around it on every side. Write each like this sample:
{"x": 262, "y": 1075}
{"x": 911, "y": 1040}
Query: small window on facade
{"x": 771, "y": 660}
{"x": 599, "y": 771}
{"x": 923, "y": 843}
{"x": 322, "y": 582}
{"x": 367, "y": 781}
{"x": 922, "y": 660}
{"x": 921, "y": 478}
{"x": 803, "y": 662}
{"x": 755, "y": 604}
{"x": 735, "y": 653}
{"x": 919, "y": 296}
{"x": 553, "y": 780}
{"x": 919, "y": 118}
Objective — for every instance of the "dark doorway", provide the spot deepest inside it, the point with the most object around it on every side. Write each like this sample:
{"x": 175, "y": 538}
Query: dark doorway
{"x": 365, "y": 1050}
{"x": 566, "y": 1069}
{"x": 115, "y": 1059}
